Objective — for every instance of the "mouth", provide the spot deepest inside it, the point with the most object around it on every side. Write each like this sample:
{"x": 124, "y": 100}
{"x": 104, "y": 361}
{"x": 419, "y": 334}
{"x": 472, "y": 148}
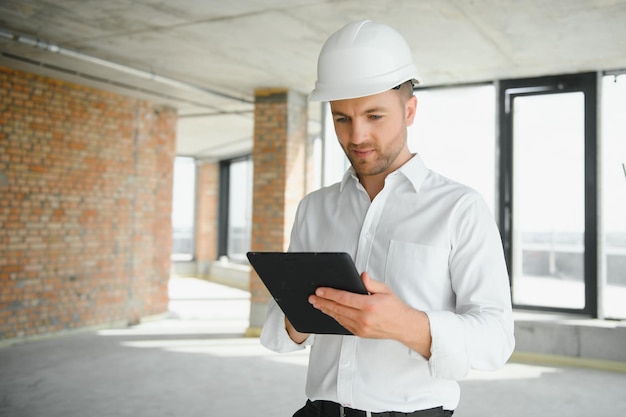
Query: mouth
{"x": 362, "y": 153}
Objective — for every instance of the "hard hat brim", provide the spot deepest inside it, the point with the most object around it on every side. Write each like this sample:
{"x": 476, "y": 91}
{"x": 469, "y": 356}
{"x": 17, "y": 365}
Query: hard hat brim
{"x": 323, "y": 92}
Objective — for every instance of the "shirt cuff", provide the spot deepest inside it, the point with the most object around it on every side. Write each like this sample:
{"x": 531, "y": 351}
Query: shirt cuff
{"x": 449, "y": 358}
{"x": 275, "y": 337}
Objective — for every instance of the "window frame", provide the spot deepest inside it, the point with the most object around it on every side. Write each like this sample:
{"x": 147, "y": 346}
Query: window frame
{"x": 508, "y": 90}
{"x": 223, "y": 209}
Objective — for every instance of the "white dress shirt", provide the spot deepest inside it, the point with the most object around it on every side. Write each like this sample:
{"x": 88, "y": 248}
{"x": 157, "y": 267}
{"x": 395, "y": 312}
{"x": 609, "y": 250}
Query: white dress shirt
{"x": 435, "y": 243}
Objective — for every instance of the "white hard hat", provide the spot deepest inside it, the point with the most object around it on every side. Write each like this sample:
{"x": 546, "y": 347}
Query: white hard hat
{"x": 361, "y": 59}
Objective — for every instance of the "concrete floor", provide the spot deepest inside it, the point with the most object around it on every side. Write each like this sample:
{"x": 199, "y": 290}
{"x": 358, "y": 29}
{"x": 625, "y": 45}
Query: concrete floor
{"x": 196, "y": 363}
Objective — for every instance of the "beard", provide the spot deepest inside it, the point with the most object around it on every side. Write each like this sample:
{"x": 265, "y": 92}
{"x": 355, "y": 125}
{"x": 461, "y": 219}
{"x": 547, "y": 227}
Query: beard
{"x": 378, "y": 162}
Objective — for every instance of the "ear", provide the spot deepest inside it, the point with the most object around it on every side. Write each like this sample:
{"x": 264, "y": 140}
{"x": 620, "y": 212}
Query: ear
{"x": 410, "y": 109}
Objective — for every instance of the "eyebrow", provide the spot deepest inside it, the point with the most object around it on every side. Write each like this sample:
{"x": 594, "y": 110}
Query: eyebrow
{"x": 368, "y": 111}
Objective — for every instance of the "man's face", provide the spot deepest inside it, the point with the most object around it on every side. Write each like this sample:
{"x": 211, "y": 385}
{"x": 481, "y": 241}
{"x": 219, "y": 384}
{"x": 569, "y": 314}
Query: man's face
{"x": 372, "y": 131}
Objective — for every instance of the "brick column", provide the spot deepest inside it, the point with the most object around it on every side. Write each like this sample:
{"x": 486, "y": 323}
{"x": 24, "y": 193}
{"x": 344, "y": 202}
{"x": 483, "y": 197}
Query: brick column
{"x": 206, "y": 215}
{"x": 279, "y": 157}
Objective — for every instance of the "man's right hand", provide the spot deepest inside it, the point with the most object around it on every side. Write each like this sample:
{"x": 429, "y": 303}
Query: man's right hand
{"x": 295, "y": 335}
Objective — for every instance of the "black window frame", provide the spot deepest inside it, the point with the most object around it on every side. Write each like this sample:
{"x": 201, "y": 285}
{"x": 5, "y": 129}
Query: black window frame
{"x": 223, "y": 208}
{"x": 507, "y": 90}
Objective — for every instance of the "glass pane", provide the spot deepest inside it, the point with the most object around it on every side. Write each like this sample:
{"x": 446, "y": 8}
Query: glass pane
{"x": 613, "y": 203}
{"x": 454, "y": 133}
{"x": 548, "y": 200}
{"x": 316, "y": 175}
{"x": 239, "y": 210}
{"x": 335, "y": 161}
{"x": 183, "y": 208}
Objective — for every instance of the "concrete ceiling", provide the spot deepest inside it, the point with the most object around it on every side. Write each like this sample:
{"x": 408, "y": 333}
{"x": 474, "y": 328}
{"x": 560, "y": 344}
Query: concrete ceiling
{"x": 207, "y": 57}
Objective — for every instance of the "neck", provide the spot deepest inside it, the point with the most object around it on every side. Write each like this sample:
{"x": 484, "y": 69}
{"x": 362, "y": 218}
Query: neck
{"x": 373, "y": 184}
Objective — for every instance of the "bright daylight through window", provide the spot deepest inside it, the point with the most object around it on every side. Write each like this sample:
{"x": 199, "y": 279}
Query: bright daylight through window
{"x": 613, "y": 197}
{"x": 454, "y": 133}
{"x": 239, "y": 209}
{"x": 183, "y": 209}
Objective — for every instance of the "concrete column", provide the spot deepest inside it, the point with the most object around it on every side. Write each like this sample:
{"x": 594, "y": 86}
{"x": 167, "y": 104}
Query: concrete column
{"x": 279, "y": 157}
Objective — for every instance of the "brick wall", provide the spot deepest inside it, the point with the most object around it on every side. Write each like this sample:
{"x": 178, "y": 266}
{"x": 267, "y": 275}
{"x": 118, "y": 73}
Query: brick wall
{"x": 85, "y": 206}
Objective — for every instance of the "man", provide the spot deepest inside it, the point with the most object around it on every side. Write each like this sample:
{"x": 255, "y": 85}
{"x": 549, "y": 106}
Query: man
{"x": 428, "y": 248}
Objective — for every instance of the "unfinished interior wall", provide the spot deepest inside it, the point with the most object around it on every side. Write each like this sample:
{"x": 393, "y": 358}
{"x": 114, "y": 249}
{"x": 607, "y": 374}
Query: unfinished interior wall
{"x": 85, "y": 206}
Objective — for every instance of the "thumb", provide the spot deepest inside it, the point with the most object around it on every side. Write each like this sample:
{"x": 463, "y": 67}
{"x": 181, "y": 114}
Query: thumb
{"x": 371, "y": 285}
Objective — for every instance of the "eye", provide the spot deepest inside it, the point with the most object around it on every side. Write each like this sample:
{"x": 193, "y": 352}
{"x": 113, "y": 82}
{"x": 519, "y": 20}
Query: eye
{"x": 375, "y": 117}
{"x": 341, "y": 119}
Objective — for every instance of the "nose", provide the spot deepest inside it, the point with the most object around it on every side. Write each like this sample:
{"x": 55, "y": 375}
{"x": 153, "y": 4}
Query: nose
{"x": 359, "y": 132}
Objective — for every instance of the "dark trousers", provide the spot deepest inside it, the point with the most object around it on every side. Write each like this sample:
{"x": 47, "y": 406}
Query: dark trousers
{"x": 329, "y": 409}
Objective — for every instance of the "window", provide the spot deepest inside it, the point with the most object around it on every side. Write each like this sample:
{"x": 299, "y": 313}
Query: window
{"x": 549, "y": 226}
{"x": 613, "y": 197}
{"x": 548, "y": 191}
{"x": 183, "y": 209}
{"x": 235, "y": 208}
{"x": 334, "y": 161}
{"x": 454, "y": 133}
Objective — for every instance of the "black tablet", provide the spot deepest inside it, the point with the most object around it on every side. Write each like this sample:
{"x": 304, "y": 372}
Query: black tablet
{"x": 291, "y": 277}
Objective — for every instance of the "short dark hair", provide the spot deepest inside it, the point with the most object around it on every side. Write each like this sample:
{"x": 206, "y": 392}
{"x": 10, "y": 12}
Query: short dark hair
{"x": 405, "y": 89}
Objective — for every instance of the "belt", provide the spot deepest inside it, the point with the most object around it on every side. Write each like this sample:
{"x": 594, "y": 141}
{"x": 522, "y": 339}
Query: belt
{"x": 333, "y": 409}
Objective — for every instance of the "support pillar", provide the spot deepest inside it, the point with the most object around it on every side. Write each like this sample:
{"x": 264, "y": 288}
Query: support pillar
{"x": 207, "y": 189}
{"x": 279, "y": 158}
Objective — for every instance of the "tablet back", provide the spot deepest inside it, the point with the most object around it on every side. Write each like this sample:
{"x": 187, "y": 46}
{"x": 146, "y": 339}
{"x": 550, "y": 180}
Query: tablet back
{"x": 291, "y": 277}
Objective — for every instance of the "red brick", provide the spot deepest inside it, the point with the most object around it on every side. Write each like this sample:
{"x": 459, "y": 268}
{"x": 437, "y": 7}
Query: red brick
{"x": 70, "y": 228}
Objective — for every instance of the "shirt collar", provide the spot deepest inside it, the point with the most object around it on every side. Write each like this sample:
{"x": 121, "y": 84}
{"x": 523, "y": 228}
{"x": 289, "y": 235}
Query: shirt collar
{"x": 414, "y": 170}
{"x": 347, "y": 176}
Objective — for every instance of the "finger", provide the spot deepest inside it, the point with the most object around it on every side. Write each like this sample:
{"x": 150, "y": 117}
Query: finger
{"x": 372, "y": 286}
{"x": 324, "y": 294}
{"x": 332, "y": 301}
{"x": 326, "y": 306}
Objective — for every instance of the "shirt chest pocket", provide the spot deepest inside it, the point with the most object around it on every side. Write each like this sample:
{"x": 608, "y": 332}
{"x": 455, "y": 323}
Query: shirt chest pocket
{"x": 419, "y": 274}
